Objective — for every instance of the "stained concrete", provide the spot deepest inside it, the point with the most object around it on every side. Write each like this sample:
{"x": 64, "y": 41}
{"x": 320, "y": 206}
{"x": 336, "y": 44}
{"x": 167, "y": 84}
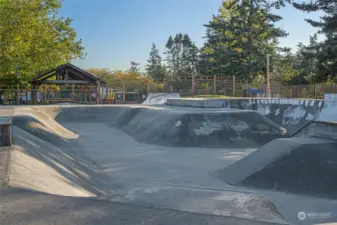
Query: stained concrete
{"x": 292, "y": 114}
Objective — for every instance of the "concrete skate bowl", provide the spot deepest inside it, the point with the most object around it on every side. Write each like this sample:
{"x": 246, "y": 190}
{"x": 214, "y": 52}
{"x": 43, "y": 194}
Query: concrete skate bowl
{"x": 46, "y": 156}
{"x": 301, "y": 165}
{"x": 292, "y": 114}
{"x": 160, "y": 98}
{"x": 185, "y": 128}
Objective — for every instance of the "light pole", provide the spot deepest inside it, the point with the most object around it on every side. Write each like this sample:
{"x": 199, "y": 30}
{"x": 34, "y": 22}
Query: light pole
{"x": 268, "y": 78}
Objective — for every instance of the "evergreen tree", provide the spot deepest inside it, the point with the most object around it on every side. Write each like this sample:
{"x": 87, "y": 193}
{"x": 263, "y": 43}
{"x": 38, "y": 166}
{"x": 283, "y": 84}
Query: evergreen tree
{"x": 326, "y": 50}
{"x": 182, "y": 55}
{"x": 134, "y": 67}
{"x": 154, "y": 68}
{"x": 240, "y": 37}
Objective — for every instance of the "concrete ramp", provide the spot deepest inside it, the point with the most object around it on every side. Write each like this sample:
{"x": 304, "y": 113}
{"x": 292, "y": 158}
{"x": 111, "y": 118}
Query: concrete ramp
{"x": 304, "y": 165}
{"x": 160, "y": 98}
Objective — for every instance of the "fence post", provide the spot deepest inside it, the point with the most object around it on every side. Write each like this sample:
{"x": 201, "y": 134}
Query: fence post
{"x": 314, "y": 90}
{"x": 124, "y": 89}
{"x": 214, "y": 85}
{"x": 17, "y": 94}
{"x": 193, "y": 85}
{"x": 233, "y": 86}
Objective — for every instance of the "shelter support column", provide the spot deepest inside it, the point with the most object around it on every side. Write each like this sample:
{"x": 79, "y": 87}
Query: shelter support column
{"x": 73, "y": 92}
{"x": 214, "y": 85}
{"x": 34, "y": 96}
{"x": 124, "y": 89}
{"x": 17, "y": 94}
{"x": 98, "y": 90}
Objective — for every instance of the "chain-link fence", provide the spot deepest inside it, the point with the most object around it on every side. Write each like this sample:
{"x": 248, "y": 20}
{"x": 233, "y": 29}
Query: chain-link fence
{"x": 238, "y": 88}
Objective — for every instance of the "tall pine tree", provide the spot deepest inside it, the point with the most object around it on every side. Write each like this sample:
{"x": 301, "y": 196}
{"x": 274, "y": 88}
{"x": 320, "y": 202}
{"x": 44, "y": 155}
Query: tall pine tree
{"x": 182, "y": 55}
{"x": 154, "y": 68}
{"x": 326, "y": 50}
{"x": 240, "y": 37}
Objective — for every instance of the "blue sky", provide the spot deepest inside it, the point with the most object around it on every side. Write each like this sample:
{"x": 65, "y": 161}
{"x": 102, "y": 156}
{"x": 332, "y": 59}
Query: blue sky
{"x": 115, "y": 32}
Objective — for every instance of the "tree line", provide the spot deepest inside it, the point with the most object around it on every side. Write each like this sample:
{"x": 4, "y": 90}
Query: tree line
{"x": 35, "y": 38}
{"x": 239, "y": 38}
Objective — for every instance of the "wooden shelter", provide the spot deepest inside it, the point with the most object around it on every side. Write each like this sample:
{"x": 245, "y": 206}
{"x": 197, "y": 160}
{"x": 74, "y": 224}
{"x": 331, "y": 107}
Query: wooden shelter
{"x": 66, "y": 75}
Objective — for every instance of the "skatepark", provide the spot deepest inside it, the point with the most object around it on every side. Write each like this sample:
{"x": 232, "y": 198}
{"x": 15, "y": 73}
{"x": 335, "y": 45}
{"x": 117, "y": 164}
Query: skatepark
{"x": 247, "y": 161}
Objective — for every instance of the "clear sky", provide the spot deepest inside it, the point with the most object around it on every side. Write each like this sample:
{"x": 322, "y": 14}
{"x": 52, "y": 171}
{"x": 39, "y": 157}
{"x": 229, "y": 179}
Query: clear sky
{"x": 115, "y": 32}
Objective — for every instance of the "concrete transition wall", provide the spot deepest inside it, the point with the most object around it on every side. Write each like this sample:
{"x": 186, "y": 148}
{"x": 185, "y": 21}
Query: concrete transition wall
{"x": 173, "y": 127}
{"x": 292, "y": 114}
{"x": 160, "y": 98}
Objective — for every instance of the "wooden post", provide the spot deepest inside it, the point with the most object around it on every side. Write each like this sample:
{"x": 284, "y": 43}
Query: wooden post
{"x": 17, "y": 94}
{"x": 268, "y": 78}
{"x": 67, "y": 77}
{"x": 98, "y": 90}
{"x": 73, "y": 92}
{"x": 34, "y": 95}
{"x": 193, "y": 84}
{"x": 234, "y": 86}
{"x": 27, "y": 95}
{"x": 214, "y": 85}
{"x": 124, "y": 89}
{"x": 85, "y": 95}
{"x": 148, "y": 88}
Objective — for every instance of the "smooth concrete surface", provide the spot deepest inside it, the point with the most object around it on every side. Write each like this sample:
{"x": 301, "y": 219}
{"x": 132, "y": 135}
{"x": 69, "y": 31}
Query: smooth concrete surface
{"x": 304, "y": 165}
{"x": 29, "y": 208}
{"x": 99, "y": 159}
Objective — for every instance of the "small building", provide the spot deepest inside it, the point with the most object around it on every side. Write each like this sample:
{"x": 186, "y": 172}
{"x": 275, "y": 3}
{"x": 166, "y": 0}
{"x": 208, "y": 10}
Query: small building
{"x": 75, "y": 85}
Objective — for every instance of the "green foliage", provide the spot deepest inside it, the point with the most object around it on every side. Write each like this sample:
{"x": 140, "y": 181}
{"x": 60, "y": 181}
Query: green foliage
{"x": 182, "y": 55}
{"x": 154, "y": 68}
{"x": 239, "y": 37}
{"x": 134, "y": 67}
{"x": 326, "y": 51}
{"x": 34, "y": 38}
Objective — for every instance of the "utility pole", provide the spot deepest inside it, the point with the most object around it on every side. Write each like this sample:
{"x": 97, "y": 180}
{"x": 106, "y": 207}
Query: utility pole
{"x": 268, "y": 78}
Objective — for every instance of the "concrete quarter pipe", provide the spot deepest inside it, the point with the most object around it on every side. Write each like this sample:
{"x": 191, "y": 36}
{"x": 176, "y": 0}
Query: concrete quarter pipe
{"x": 160, "y": 98}
{"x": 304, "y": 163}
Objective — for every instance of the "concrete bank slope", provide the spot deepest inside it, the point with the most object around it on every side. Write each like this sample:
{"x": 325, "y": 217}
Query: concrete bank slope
{"x": 178, "y": 126}
{"x": 298, "y": 165}
{"x": 30, "y": 208}
{"x": 291, "y": 114}
{"x": 54, "y": 167}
